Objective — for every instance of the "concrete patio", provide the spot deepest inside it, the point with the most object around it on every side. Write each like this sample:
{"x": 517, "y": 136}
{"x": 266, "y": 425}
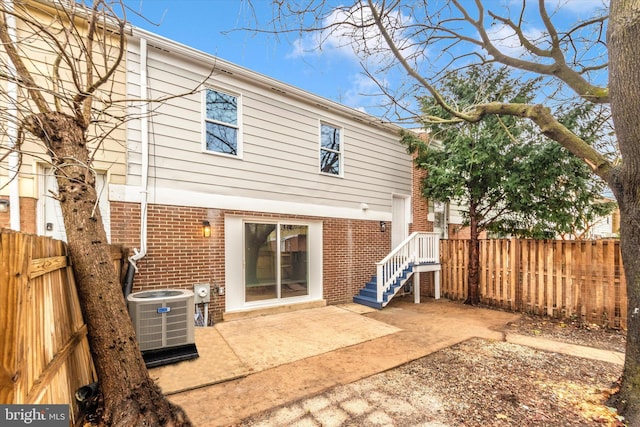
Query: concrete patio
{"x": 251, "y": 365}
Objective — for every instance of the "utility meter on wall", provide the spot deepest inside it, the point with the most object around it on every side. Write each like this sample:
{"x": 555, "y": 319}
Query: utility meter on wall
{"x": 202, "y": 293}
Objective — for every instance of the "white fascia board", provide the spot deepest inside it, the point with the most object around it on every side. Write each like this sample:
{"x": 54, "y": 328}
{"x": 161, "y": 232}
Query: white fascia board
{"x": 261, "y": 79}
{"x": 172, "y": 197}
{"x": 125, "y": 193}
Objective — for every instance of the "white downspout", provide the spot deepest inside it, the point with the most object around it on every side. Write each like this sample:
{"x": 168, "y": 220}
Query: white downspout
{"x": 12, "y": 130}
{"x": 144, "y": 131}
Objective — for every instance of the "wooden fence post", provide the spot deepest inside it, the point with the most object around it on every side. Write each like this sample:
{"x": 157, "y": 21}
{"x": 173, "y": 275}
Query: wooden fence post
{"x": 514, "y": 274}
{"x": 15, "y": 250}
{"x": 44, "y": 351}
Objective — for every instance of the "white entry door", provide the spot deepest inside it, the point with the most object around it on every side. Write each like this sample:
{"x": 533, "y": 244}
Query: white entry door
{"x": 51, "y": 223}
{"x": 401, "y": 208}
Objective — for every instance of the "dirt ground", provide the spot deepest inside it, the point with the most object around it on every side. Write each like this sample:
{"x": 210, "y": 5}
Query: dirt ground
{"x": 476, "y": 383}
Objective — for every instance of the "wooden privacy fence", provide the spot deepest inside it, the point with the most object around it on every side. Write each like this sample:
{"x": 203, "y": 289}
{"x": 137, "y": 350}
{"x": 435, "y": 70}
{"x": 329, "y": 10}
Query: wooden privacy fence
{"x": 562, "y": 278}
{"x": 44, "y": 352}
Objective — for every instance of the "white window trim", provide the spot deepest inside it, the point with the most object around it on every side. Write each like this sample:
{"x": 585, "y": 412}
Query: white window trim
{"x": 340, "y": 152}
{"x": 41, "y": 188}
{"x": 234, "y": 263}
{"x": 204, "y": 120}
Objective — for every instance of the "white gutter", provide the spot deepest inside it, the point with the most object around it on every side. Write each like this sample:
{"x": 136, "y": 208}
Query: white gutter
{"x": 12, "y": 130}
{"x": 144, "y": 130}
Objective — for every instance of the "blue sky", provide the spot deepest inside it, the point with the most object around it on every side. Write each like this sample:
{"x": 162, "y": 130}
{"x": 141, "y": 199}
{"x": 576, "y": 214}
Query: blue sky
{"x": 202, "y": 24}
{"x": 215, "y": 27}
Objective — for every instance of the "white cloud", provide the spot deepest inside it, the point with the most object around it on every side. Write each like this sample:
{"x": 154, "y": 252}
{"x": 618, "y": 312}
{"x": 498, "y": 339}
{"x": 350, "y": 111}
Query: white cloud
{"x": 351, "y": 34}
{"x": 505, "y": 39}
{"x": 365, "y": 95}
{"x": 298, "y": 49}
{"x": 562, "y": 12}
{"x": 321, "y": 43}
{"x": 359, "y": 95}
{"x": 352, "y": 40}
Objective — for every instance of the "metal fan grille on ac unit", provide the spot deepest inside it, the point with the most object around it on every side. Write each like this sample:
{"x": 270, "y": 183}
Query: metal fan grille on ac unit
{"x": 162, "y": 321}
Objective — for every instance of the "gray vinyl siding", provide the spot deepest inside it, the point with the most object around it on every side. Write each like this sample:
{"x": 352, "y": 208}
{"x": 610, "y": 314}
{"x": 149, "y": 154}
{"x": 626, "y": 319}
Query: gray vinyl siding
{"x": 280, "y": 159}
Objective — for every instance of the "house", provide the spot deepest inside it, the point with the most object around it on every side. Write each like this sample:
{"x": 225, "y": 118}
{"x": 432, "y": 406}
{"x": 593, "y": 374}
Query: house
{"x": 275, "y": 197}
{"x": 606, "y": 227}
{"x": 301, "y": 195}
{"x": 27, "y": 184}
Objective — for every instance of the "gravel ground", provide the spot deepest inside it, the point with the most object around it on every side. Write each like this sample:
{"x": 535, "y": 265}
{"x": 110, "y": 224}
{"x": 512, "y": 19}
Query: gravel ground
{"x": 475, "y": 383}
{"x": 574, "y": 332}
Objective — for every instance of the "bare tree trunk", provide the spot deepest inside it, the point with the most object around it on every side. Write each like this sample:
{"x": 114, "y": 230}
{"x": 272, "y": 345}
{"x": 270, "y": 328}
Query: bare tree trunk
{"x": 130, "y": 396}
{"x": 628, "y": 399}
{"x": 473, "y": 296}
{"x": 624, "y": 76}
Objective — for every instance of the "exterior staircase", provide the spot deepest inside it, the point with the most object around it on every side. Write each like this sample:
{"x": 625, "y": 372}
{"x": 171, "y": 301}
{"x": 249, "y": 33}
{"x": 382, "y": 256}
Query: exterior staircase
{"x": 369, "y": 294}
{"x": 420, "y": 252}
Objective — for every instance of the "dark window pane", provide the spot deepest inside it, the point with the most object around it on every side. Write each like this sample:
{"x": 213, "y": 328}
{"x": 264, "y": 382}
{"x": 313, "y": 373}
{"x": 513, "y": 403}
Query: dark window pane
{"x": 260, "y": 262}
{"x": 330, "y": 137}
{"x": 222, "y": 107}
{"x": 222, "y": 139}
{"x": 293, "y": 261}
{"x": 329, "y": 149}
{"x": 330, "y": 162}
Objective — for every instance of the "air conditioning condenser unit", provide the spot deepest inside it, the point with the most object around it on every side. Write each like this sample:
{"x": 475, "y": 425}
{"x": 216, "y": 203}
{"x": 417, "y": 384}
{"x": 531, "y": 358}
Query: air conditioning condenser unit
{"x": 164, "y": 323}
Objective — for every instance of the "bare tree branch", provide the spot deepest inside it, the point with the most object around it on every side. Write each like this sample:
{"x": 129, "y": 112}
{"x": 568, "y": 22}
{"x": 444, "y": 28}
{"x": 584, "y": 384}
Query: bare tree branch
{"x": 21, "y": 70}
{"x": 558, "y": 68}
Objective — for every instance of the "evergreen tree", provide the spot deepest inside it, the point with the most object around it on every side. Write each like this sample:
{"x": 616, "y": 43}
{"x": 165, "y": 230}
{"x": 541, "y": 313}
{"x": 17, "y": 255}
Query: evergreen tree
{"x": 508, "y": 179}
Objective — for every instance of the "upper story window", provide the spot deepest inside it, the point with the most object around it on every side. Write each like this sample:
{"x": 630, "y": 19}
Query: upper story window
{"x": 222, "y": 123}
{"x": 330, "y": 149}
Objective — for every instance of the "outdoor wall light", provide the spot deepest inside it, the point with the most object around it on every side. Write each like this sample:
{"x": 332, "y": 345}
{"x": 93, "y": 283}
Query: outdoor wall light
{"x": 383, "y": 226}
{"x": 4, "y": 205}
{"x": 206, "y": 228}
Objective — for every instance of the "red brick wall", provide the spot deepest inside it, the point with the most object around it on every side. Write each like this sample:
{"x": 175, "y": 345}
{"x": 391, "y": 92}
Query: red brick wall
{"x": 419, "y": 205}
{"x": 178, "y": 256}
{"x": 420, "y": 211}
{"x": 27, "y": 215}
{"x": 125, "y": 224}
{"x": 351, "y": 249}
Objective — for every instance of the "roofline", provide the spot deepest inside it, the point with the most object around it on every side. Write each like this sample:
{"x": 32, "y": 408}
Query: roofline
{"x": 81, "y": 10}
{"x": 261, "y": 79}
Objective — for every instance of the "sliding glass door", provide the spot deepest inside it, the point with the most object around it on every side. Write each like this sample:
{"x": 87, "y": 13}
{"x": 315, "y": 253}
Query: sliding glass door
{"x": 275, "y": 261}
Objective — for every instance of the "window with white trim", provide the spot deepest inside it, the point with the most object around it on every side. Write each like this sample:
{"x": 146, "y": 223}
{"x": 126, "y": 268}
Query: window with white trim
{"x": 222, "y": 123}
{"x": 330, "y": 149}
{"x": 271, "y": 261}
